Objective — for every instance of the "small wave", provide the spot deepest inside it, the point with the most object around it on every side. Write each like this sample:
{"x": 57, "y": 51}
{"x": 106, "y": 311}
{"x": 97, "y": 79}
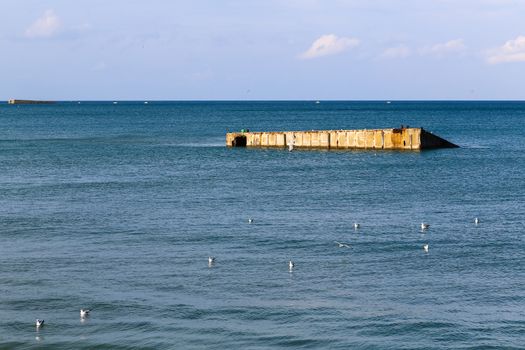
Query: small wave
{"x": 200, "y": 145}
{"x": 474, "y": 146}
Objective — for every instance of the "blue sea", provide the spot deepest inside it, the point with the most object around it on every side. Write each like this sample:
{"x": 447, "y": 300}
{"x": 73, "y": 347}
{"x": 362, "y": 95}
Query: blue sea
{"x": 117, "y": 207}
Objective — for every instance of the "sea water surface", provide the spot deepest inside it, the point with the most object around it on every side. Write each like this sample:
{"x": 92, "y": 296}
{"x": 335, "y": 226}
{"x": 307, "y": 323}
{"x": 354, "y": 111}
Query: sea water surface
{"x": 116, "y": 208}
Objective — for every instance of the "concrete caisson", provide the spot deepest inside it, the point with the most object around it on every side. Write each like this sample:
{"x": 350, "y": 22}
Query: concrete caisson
{"x": 389, "y": 139}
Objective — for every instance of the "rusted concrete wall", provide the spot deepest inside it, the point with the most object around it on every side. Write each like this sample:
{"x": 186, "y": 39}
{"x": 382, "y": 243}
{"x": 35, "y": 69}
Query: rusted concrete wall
{"x": 405, "y": 139}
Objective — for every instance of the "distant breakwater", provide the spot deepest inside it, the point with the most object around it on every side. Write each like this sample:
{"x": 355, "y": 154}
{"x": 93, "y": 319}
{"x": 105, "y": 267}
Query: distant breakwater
{"x": 28, "y": 102}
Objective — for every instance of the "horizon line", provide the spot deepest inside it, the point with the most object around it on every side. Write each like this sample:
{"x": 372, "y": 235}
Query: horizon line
{"x": 269, "y": 100}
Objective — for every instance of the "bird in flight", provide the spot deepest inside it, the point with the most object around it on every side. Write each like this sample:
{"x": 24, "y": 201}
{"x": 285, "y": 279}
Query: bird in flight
{"x": 342, "y": 245}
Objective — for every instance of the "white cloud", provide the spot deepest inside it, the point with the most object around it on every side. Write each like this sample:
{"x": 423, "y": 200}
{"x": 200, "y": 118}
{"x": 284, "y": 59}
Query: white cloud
{"x": 329, "y": 45}
{"x": 511, "y": 51}
{"x": 450, "y": 47}
{"x": 400, "y": 51}
{"x": 44, "y": 27}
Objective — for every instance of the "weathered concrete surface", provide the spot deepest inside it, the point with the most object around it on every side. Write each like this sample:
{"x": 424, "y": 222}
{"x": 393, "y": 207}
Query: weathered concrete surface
{"x": 402, "y": 138}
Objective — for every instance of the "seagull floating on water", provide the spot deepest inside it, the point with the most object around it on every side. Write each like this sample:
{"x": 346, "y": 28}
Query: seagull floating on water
{"x": 476, "y": 221}
{"x": 39, "y": 323}
{"x": 211, "y": 260}
{"x": 342, "y": 245}
{"x": 84, "y": 313}
{"x": 424, "y": 226}
{"x": 291, "y": 265}
{"x": 250, "y": 221}
{"x": 356, "y": 225}
{"x": 425, "y": 248}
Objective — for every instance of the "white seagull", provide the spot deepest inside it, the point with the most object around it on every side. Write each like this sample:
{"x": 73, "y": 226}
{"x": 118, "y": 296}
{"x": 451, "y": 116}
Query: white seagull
{"x": 425, "y": 248}
{"x": 39, "y": 323}
{"x": 476, "y": 221}
{"x": 250, "y": 221}
{"x": 84, "y": 313}
{"x": 211, "y": 260}
{"x": 342, "y": 245}
{"x": 424, "y": 226}
{"x": 290, "y": 265}
{"x": 356, "y": 225}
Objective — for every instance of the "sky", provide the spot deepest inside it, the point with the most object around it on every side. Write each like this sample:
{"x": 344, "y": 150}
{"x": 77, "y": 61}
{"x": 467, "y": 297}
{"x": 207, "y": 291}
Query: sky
{"x": 262, "y": 49}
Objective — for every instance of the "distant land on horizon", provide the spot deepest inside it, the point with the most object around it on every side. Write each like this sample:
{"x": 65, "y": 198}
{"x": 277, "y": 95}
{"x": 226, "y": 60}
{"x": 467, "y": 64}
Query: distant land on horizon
{"x": 46, "y": 101}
